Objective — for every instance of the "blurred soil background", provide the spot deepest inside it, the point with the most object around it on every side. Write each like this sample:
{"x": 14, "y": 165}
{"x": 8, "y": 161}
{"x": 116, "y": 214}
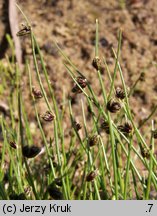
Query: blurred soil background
{"x": 72, "y": 24}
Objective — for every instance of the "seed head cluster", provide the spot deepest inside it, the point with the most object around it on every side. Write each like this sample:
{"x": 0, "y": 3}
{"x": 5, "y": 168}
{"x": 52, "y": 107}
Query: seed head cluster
{"x": 82, "y": 82}
{"x": 126, "y": 128}
{"x": 48, "y": 116}
{"x": 36, "y": 92}
{"x": 120, "y": 93}
{"x": 97, "y": 63}
{"x": 113, "y": 106}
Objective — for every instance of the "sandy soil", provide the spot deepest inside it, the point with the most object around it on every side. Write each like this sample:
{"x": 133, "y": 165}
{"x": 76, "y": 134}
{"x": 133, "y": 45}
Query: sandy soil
{"x": 72, "y": 24}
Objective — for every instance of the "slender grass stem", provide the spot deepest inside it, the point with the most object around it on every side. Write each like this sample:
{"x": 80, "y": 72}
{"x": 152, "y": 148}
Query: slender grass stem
{"x": 127, "y": 168}
{"x": 116, "y": 64}
{"x": 150, "y": 164}
{"x": 89, "y": 154}
{"x": 113, "y": 156}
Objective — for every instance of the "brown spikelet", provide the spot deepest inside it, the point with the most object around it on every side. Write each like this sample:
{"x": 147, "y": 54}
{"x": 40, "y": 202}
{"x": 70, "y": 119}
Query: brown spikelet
{"x": 82, "y": 82}
{"x": 154, "y": 134}
{"x": 30, "y": 151}
{"x": 55, "y": 192}
{"x": 145, "y": 152}
{"x": 93, "y": 140}
{"x": 105, "y": 126}
{"x": 113, "y": 106}
{"x": 48, "y": 116}
{"x": 13, "y": 144}
{"x": 92, "y": 175}
{"x": 77, "y": 126}
{"x": 36, "y": 92}
{"x": 126, "y": 128}
{"x": 97, "y": 63}
{"x": 120, "y": 93}
{"x": 24, "y": 31}
{"x": 142, "y": 77}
